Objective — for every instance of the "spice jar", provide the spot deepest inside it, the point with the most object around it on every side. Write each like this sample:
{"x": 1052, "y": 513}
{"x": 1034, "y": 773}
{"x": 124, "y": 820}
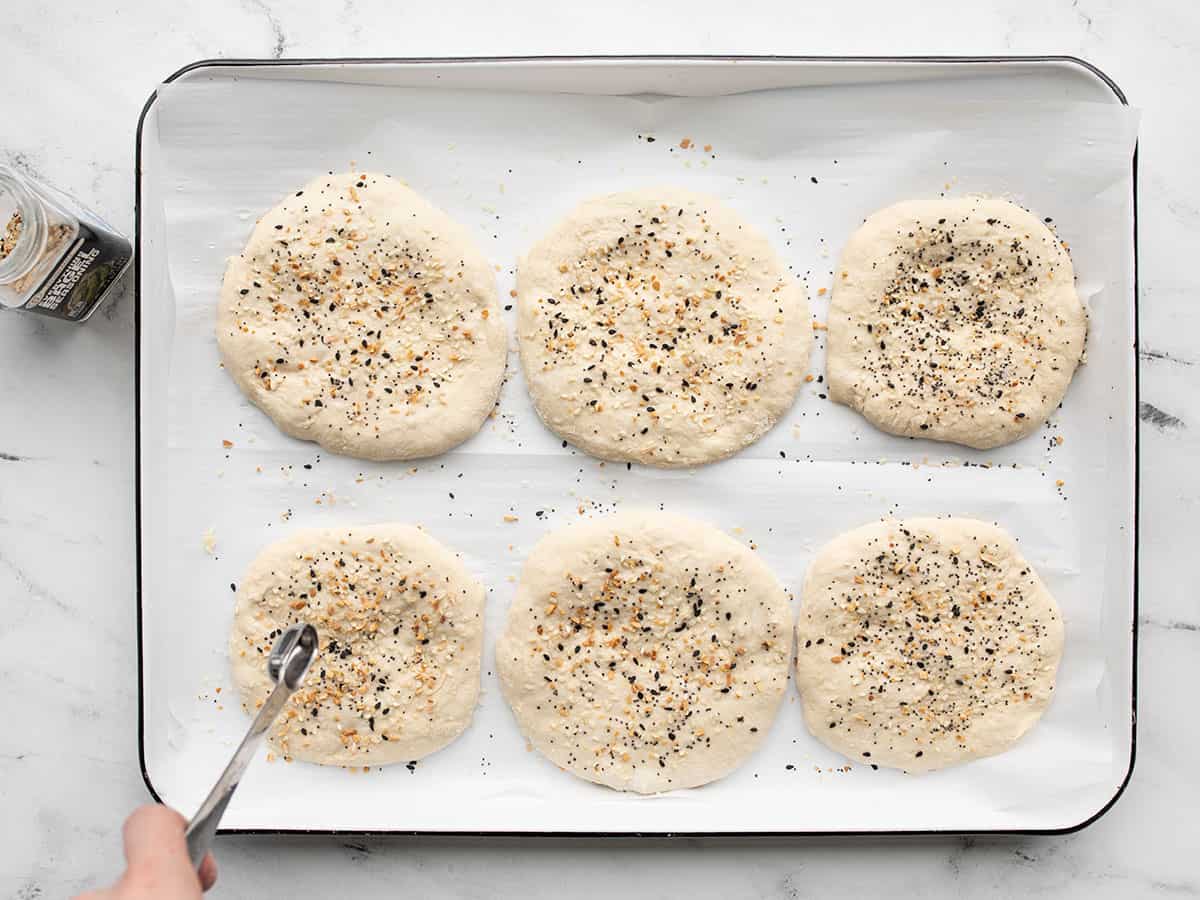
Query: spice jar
{"x": 56, "y": 258}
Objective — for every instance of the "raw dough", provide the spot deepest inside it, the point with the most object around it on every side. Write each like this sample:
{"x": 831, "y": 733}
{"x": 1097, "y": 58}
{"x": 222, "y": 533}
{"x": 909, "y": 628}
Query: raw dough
{"x": 400, "y": 622}
{"x": 364, "y": 319}
{"x": 925, "y": 643}
{"x": 657, "y": 326}
{"x": 955, "y": 320}
{"x": 645, "y": 651}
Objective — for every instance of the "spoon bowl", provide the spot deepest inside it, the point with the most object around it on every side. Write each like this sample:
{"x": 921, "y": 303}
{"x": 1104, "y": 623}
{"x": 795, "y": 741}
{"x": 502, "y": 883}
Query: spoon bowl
{"x": 292, "y": 654}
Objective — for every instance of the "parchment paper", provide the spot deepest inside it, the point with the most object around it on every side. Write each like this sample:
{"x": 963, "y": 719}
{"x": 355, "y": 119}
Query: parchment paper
{"x": 806, "y": 166}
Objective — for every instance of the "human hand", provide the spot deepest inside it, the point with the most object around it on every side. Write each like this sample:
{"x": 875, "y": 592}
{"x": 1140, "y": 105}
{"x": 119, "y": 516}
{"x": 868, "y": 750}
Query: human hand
{"x": 156, "y": 860}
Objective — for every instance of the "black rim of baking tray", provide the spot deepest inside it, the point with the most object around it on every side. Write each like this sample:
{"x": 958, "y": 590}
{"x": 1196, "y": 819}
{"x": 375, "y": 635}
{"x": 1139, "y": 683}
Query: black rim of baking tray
{"x": 636, "y": 58}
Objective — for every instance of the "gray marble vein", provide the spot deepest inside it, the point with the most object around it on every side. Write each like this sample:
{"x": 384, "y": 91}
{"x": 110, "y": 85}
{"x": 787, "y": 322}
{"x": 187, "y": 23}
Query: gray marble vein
{"x": 22, "y": 162}
{"x": 27, "y": 586}
{"x": 1161, "y": 356}
{"x": 1084, "y": 18}
{"x": 265, "y": 8}
{"x": 1170, "y": 624}
{"x": 1162, "y": 420}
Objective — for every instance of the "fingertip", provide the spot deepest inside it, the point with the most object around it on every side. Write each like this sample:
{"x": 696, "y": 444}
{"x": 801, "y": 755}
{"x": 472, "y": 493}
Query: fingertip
{"x": 154, "y": 838}
{"x": 208, "y": 872}
{"x": 147, "y": 825}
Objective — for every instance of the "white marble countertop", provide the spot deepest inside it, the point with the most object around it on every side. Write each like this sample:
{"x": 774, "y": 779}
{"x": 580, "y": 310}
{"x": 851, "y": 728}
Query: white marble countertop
{"x": 75, "y": 78}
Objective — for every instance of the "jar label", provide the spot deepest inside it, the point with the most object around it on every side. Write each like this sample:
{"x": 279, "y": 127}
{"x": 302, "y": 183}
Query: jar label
{"x": 88, "y": 270}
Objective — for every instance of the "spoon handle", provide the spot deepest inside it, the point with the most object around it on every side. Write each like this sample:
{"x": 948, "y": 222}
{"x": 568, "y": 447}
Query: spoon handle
{"x": 203, "y": 826}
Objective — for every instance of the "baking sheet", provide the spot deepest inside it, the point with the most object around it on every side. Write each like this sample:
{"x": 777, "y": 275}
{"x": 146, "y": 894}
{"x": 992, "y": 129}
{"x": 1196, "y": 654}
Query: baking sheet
{"x": 804, "y": 164}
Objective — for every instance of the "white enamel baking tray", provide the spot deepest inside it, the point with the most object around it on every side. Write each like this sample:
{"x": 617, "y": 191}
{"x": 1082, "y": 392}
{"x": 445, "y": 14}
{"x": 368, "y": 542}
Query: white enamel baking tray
{"x": 822, "y": 470}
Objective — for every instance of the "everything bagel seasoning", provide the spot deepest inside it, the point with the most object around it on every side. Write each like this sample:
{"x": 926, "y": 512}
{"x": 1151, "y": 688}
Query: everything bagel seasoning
{"x": 56, "y": 258}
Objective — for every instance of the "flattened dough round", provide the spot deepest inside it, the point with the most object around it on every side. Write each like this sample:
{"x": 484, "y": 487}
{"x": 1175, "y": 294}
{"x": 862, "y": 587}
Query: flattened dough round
{"x": 645, "y": 651}
{"x": 362, "y": 318}
{"x": 955, "y": 320}
{"x": 925, "y": 643}
{"x": 400, "y": 622}
{"x": 657, "y": 326}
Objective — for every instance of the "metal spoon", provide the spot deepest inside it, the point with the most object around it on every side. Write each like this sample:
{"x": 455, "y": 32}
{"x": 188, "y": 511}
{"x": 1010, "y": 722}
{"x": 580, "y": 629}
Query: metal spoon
{"x": 289, "y": 661}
